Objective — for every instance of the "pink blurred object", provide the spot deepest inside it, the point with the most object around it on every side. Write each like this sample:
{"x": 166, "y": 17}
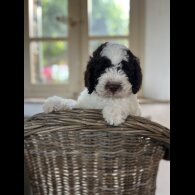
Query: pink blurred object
{"x": 47, "y": 72}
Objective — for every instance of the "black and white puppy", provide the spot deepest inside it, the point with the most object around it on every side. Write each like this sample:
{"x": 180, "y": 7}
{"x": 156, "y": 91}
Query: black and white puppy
{"x": 112, "y": 79}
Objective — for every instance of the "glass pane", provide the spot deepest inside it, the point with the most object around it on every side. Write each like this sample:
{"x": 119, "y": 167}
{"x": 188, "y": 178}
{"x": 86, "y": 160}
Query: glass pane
{"x": 93, "y": 44}
{"x": 108, "y": 17}
{"x": 48, "y": 18}
{"x": 49, "y": 63}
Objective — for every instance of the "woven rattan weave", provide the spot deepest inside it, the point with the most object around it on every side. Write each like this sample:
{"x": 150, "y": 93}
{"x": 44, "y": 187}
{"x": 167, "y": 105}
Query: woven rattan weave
{"x": 76, "y": 153}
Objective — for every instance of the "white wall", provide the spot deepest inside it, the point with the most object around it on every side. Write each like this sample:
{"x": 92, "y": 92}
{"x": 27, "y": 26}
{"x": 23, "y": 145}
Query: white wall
{"x": 156, "y": 80}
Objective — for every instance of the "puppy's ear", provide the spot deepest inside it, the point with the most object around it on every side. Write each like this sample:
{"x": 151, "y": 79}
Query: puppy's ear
{"x": 95, "y": 67}
{"x": 89, "y": 75}
{"x": 137, "y": 76}
{"x": 133, "y": 70}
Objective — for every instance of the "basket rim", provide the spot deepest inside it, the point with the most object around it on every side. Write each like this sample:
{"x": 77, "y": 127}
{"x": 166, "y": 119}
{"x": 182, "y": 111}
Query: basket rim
{"x": 86, "y": 120}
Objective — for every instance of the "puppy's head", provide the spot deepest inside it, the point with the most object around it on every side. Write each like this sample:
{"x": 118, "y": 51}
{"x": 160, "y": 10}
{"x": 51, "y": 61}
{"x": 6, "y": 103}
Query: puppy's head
{"x": 113, "y": 71}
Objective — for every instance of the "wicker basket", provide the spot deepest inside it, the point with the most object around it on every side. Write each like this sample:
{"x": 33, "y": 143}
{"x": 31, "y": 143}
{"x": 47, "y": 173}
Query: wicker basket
{"x": 76, "y": 152}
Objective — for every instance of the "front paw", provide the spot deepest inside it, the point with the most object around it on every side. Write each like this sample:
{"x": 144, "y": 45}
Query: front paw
{"x": 57, "y": 104}
{"x": 113, "y": 116}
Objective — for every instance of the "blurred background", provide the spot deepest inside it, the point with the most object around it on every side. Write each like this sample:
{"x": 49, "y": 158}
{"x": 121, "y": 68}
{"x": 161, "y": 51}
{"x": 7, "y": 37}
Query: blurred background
{"x": 59, "y": 36}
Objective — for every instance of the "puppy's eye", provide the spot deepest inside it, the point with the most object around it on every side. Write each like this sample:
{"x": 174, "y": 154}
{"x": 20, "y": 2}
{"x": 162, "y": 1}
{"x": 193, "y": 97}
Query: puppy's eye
{"x": 118, "y": 68}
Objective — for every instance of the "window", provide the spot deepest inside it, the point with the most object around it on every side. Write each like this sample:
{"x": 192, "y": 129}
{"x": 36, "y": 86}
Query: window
{"x": 59, "y": 37}
{"x": 108, "y": 21}
{"x": 48, "y": 41}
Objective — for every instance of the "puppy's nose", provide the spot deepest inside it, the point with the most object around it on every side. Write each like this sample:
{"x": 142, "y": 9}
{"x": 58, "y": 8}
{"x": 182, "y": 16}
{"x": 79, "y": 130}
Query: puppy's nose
{"x": 113, "y": 87}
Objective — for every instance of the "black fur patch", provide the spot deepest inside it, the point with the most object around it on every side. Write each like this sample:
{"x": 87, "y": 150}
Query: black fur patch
{"x": 133, "y": 71}
{"x": 98, "y": 51}
{"x": 95, "y": 67}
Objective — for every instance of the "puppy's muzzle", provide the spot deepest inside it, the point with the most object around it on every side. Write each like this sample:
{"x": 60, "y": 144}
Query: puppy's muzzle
{"x": 113, "y": 87}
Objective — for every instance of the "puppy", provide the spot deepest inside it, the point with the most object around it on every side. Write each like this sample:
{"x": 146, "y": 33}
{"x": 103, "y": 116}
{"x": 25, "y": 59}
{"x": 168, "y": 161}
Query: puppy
{"x": 112, "y": 79}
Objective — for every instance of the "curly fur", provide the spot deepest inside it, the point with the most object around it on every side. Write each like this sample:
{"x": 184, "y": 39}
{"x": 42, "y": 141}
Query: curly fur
{"x": 110, "y": 65}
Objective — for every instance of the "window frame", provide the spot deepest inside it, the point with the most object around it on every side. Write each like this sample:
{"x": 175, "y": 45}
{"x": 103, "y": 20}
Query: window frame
{"x": 44, "y": 90}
